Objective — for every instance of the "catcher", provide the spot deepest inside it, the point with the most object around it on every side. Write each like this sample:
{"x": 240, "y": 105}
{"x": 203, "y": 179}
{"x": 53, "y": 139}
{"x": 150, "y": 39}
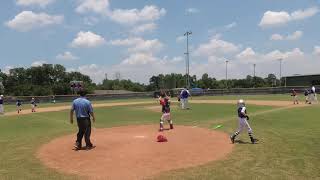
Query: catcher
{"x": 166, "y": 116}
{"x": 243, "y": 122}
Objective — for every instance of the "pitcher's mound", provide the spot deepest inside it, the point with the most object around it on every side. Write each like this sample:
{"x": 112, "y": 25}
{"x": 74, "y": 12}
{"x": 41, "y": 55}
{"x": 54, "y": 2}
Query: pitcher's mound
{"x": 133, "y": 152}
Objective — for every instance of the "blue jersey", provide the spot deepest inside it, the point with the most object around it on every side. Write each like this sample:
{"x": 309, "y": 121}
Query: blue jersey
{"x": 82, "y": 107}
{"x": 1, "y": 101}
{"x": 184, "y": 94}
{"x": 241, "y": 112}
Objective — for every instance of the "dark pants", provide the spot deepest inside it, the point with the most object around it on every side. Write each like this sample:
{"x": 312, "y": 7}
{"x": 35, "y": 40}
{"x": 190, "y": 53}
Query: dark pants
{"x": 84, "y": 125}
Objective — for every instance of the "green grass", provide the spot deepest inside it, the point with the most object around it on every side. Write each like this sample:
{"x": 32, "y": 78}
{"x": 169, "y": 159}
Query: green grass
{"x": 289, "y": 147}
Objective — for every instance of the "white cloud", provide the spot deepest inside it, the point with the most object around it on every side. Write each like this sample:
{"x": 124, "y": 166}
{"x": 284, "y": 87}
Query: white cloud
{"x": 316, "y": 50}
{"x": 296, "y": 53}
{"x": 41, "y": 3}
{"x": 303, "y": 14}
{"x": 294, "y": 36}
{"x": 276, "y": 37}
{"x": 231, "y": 25}
{"x": 192, "y": 10}
{"x": 94, "y": 6}
{"x": 134, "y": 16}
{"x": 67, "y": 56}
{"x": 38, "y": 63}
{"x": 248, "y": 53}
{"x": 87, "y": 40}
{"x": 28, "y": 20}
{"x": 139, "y": 44}
{"x": 216, "y": 47}
{"x": 139, "y": 59}
{"x": 6, "y": 69}
{"x": 149, "y": 27}
{"x": 272, "y": 18}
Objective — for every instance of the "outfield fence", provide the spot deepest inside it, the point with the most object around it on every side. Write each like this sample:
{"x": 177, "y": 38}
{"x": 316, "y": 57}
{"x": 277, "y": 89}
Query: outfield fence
{"x": 132, "y": 95}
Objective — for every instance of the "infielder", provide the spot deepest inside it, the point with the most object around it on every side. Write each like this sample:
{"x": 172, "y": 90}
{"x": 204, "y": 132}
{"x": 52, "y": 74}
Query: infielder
{"x": 295, "y": 97}
{"x": 243, "y": 122}
{"x": 166, "y": 116}
{"x": 184, "y": 95}
{"x": 19, "y": 105}
{"x": 33, "y": 105}
{"x": 313, "y": 91}
{"x": 1, "y": 105}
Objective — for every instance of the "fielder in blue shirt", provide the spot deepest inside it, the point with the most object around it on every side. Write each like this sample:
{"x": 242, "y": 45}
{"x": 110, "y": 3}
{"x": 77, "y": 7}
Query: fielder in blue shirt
{"x": 84, "y": 112}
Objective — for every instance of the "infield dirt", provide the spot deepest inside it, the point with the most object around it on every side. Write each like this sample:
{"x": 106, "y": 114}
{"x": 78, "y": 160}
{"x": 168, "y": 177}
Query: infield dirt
{"x": 132, "y": 152}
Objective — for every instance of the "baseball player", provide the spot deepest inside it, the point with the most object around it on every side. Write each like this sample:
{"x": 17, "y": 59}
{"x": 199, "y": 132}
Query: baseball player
{"x": 1, "y": 104}
{"x": 19, "y": 105}
{"x": 184, "y": 95}
{"x": 33, "y": 105}
{"x": 166, "y": 116}
{"x": 306, "y": 94}
{"x": 295, "y": 97}
{"x": 243, "y": 122}
{"x": 313, "y": 91}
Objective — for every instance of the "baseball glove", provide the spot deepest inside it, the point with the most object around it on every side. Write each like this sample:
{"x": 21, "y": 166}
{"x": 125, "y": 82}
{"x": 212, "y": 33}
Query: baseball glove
{"x": 248, "y": 118}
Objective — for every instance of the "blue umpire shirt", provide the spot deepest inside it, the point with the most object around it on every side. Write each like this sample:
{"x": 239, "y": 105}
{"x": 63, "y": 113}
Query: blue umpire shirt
{"x": 82, "y": 107}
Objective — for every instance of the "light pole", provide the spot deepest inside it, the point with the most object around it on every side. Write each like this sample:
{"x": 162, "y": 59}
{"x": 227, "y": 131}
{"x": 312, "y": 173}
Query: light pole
{"x": 280, "y": 73}
{"x": 227, "y": 73}
{"x": 254, "y": 75}
{"x": 188, "y": 33}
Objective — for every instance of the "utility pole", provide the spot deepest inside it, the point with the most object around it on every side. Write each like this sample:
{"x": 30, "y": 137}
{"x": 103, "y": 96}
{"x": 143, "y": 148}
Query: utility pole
{"x": 227, "y": 73}
{"x": 280, "y": 73}
{"x": 254, "y": 75}
{"x": 188, "y": 33}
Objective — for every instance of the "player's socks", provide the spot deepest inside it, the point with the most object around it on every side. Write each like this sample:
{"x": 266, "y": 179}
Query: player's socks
{"x": 161, "y": 125}
{"x": 171, "y": 126}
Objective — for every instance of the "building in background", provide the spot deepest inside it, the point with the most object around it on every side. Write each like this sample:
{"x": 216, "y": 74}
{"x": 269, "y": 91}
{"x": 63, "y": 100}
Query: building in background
{"x": 302, "y": 80}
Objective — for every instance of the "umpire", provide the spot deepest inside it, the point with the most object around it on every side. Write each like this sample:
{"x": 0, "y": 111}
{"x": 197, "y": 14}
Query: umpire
{"x": 84, "y": 112}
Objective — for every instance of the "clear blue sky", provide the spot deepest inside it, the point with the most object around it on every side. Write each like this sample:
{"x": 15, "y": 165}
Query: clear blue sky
{"x": 141, "y": 38}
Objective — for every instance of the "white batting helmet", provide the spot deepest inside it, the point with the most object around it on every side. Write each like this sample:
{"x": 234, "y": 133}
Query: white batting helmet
{"x": 241, "y": 102}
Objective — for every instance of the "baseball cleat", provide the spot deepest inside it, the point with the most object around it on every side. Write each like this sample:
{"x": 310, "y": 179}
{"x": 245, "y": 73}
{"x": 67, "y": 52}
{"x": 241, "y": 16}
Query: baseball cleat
{"x": 254, "y": 141}
{"x": 77, "y": 146}
{"x": 232, "y": 139}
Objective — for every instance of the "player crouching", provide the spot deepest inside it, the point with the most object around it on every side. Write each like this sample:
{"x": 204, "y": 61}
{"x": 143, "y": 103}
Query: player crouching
{"x": 166, "y": 116}
{"x": 19, "y": 106}
{"x": 243, "y": 122}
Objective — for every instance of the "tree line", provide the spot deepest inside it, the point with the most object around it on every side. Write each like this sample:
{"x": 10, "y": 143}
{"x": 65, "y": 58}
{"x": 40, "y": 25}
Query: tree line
{"x": 42, "y": 80}
{"x": 50, "y": 79}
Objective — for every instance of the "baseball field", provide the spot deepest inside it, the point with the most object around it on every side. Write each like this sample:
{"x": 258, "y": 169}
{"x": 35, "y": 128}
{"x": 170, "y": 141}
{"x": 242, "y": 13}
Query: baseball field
{"x": 39, "y": 145}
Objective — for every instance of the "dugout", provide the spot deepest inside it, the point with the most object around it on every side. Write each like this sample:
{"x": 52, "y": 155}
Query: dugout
{"x": 302, "y": 80}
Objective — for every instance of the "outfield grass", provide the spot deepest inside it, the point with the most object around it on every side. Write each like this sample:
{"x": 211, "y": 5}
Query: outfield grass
{"x": 289, "y": 147}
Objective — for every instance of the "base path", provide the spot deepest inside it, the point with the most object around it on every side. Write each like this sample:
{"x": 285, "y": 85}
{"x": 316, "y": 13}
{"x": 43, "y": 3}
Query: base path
{"x": 111, "y": 104}
{"x": 132, "y": 152}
